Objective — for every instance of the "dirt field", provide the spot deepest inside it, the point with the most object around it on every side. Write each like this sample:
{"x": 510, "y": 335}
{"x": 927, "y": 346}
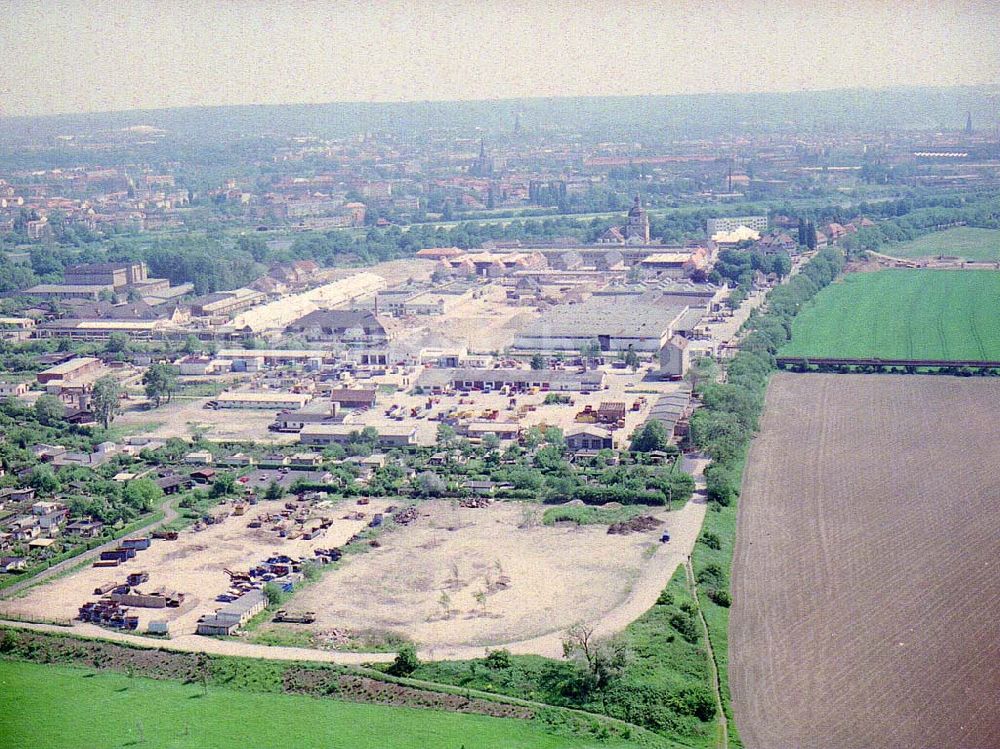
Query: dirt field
{"x": 425, "y": 579}
{"x": 194, "y": 565}
{"x": 865, "y": 584}
{"x": 185, "y": 416}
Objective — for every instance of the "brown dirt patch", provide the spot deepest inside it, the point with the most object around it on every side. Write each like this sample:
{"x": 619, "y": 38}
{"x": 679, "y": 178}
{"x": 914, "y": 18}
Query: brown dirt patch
{"x": 865, "y": 592}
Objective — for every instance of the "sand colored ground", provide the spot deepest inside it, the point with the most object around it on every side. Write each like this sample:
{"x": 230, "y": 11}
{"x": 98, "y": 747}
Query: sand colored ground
{"x": 865, "y": 586}
{"x": 194, "y": 565}
{"x": 184, "y": 416}
{"x": 423, "y": 582}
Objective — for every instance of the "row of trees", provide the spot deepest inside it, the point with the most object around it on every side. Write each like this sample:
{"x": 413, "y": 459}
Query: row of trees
{"x": 729, "y": 416}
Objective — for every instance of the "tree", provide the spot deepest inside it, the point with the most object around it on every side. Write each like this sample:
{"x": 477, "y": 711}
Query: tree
{"x": 142, "y": 494}
{"x": 117, "y": 343}
{"x": 43, "y": 479}
{"x": 702, "y": 369}
{"x": 652, "y": 436}
{"x": 105, "y": 400}
{"x": 601, "y": 661}
{"x": 49, "y": 410}
{"x": 632, "y": 359}
{"x": 274, "y": 491}
{"x": 498, "y": 660}
{"x": 191, "y": 345}
{"x": 161, "y": 382}
{"x": 274, "y": 594}
{"x": 537, "y": 361}
{"x": 430, "y": 484}
{"x": 225, "y": 483}
{"x": 491, "y": 442}
{"x": 406, "y": 661}
{"x": 445, "y": 434}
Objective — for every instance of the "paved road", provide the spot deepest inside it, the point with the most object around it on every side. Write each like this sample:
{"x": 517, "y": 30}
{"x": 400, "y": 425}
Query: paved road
{"x": 169, "y": 515}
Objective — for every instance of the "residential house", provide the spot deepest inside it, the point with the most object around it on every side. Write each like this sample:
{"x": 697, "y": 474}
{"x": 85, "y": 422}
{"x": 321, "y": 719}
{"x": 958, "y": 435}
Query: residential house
{"x": 85, "y": 528}
{"x": 588, "y": 438}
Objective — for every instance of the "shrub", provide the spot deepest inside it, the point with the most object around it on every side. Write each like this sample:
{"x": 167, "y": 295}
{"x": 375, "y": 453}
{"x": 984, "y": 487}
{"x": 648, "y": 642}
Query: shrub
{"x": 406, "y": 661}
{"x": 685, "y": 623}
{"x": 498, "y": 660}
{"x": 666, "y": 598}
{"x": 720, "y": 597}
{"x": 711, "y": 540}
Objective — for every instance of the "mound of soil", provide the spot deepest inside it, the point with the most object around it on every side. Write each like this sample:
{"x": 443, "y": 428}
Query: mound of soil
{"x": 635, "y": 525}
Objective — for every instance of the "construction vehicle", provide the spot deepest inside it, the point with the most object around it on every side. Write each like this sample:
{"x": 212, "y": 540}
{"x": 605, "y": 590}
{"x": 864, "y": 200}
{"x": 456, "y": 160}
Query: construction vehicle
{"x": 301, "y": 617}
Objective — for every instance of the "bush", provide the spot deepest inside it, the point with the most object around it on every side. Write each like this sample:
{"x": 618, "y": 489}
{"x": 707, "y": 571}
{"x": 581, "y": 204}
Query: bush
{"x": 685, "y": 622}
{"x": 406, "y": 661}
{"x": 498, "y": 660}
{"x": 274, "y": 594}
{"x": 720, "y": 597}
{"x": 711, "y": 540}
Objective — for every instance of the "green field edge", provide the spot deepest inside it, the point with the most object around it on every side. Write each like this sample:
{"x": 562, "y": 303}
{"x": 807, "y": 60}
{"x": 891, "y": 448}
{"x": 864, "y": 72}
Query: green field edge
{"x": 51, "y": 648}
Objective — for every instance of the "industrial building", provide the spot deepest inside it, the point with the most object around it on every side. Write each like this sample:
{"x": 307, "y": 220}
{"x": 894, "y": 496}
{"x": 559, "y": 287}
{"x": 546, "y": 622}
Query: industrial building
{"x": 515, "y": 379}
{"x": 273, "y": 401}
{"x": 616, "y": 324}
{"x": 732, "y": 223}
{"x": 391, "y": 435}
{"x": 71, "y": 371}
{"x": 233, "y": 615}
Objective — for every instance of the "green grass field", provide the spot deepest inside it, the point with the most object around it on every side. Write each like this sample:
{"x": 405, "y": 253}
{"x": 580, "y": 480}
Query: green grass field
{"x": 64, "y": 708}
{"x": 592, "y": 515}
{"x": 903, "y": 314}
{"x": 963, "y": 241}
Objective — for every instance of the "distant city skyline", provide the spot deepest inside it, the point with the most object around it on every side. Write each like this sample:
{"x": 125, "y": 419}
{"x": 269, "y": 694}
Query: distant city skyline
{"x": 77, "y": 56}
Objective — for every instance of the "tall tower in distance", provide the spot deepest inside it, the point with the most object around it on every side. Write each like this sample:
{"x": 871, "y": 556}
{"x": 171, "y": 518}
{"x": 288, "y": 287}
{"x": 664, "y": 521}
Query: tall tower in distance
{"x": 484, "y": 166}
{"x": 968, "y": 124}
{"x": 637, "y": 228}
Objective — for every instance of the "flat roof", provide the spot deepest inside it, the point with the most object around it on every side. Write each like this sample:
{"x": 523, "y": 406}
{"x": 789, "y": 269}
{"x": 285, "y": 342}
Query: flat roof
{"x": 606, "y": 315}
{"x": 263, "y": 397}
{"x": 44, "y": 288}
{"x": 470, "y": 374}
{"x": 272, "y": 353}
{"x": 343, "y": 430}
{"x": 669, "y": 257}
{"x": 70, "y": 366}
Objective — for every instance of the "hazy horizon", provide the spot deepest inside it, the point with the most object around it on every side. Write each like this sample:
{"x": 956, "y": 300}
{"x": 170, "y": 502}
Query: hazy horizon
{"x": 88, "y": 57}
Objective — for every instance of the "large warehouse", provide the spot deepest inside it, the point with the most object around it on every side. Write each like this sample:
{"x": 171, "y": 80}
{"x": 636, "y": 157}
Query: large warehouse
{"x": 614, "y": 322}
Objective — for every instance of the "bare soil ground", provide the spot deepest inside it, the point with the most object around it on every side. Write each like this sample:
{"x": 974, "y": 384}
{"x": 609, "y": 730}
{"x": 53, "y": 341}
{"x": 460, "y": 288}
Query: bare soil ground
{"x": 184, "y": 417}
{"x": 425, "y": 581}
{"x": 194, "y": 565}
{"x": 865, "y": 584}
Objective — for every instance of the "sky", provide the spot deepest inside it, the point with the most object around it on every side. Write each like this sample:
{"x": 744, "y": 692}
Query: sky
{"x": 91, "y": 55}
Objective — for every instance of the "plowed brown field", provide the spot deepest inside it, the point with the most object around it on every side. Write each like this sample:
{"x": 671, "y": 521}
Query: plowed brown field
{"x": 866, "y": 607}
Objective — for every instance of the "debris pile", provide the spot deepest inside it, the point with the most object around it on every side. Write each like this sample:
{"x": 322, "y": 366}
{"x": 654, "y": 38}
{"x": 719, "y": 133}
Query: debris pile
{"x": 475, "y": 502}
{"x": 635, "y": 525}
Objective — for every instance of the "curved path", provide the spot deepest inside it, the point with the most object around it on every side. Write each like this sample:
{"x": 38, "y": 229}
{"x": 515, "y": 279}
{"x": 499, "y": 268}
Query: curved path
{"x": 658, "y": 571}
{"x": 198, "y": 644}
{"x": 684, "y": 529}
{"x": 169, "y": 515}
